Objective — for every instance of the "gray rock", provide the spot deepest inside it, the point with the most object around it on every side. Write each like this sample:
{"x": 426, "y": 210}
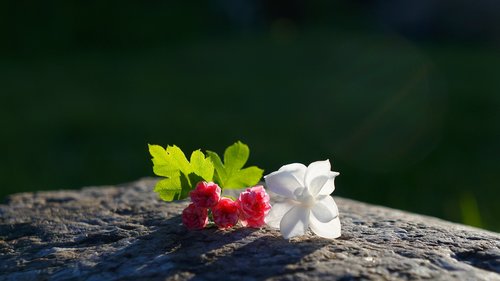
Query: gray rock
{"x": 126, "y": 233}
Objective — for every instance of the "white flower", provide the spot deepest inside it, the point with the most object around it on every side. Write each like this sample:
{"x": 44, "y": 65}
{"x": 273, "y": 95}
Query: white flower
{"x": 305, "y": 200}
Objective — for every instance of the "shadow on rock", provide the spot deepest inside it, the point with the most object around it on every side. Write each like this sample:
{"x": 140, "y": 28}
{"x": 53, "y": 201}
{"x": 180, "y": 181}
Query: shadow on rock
{"x": 173, "y": 251}
{"x": 160, "y": 253}
{"x": 263, "y": 257}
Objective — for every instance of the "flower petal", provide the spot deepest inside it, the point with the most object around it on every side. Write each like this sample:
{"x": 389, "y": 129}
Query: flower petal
{"x": 295, "y": 222}
{"x": 317, "y": 184}
{"x": 283, "y": 182}
{"x": 325, "y": 210}
{"x": 278, "y": 210}
{"x": 331, "y": 229}
{"x": 329, "y": 186}
{"x": 316, "y": 169}
{"x": 297, "y": 170}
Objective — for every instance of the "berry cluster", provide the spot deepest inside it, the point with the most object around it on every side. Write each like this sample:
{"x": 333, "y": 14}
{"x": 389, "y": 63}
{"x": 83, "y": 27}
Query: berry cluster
{"x": 250, "y": 208}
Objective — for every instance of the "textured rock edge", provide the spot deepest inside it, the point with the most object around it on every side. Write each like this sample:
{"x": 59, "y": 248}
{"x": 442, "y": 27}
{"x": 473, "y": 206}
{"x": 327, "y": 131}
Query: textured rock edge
{"x": 125, "y": 232}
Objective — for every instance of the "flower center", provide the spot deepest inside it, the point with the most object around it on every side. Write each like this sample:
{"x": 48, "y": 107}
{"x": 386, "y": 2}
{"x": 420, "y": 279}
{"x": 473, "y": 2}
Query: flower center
{"x": 305, "y": 198}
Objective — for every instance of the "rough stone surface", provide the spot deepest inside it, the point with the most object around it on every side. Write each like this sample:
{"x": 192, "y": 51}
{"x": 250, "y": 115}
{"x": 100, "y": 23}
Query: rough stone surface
{"x": 126, "y": 233}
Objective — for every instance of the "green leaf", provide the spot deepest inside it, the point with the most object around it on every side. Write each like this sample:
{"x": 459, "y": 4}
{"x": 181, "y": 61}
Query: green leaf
{"x": 236, "y": 156}
{"x": 169, "y": 189}
{"x": 177, "y": 188}
{"x": 230, "y": 173}
{"x": 245, "y": 178}
{"x": 160, "y": 161}
{"x": 177, "y": 159}
{"x": 181, "y": 175}
{"x": 202, "y": 166}
{"x": 220, "y": 171}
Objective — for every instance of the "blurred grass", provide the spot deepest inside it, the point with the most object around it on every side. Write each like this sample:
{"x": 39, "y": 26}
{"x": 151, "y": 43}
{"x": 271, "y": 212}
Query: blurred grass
{"x": 470, "y": 211}
{"x": 408, "y": 126}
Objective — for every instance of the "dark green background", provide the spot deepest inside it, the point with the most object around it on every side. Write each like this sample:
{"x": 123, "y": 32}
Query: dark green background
{"x": 407, "y": 112}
